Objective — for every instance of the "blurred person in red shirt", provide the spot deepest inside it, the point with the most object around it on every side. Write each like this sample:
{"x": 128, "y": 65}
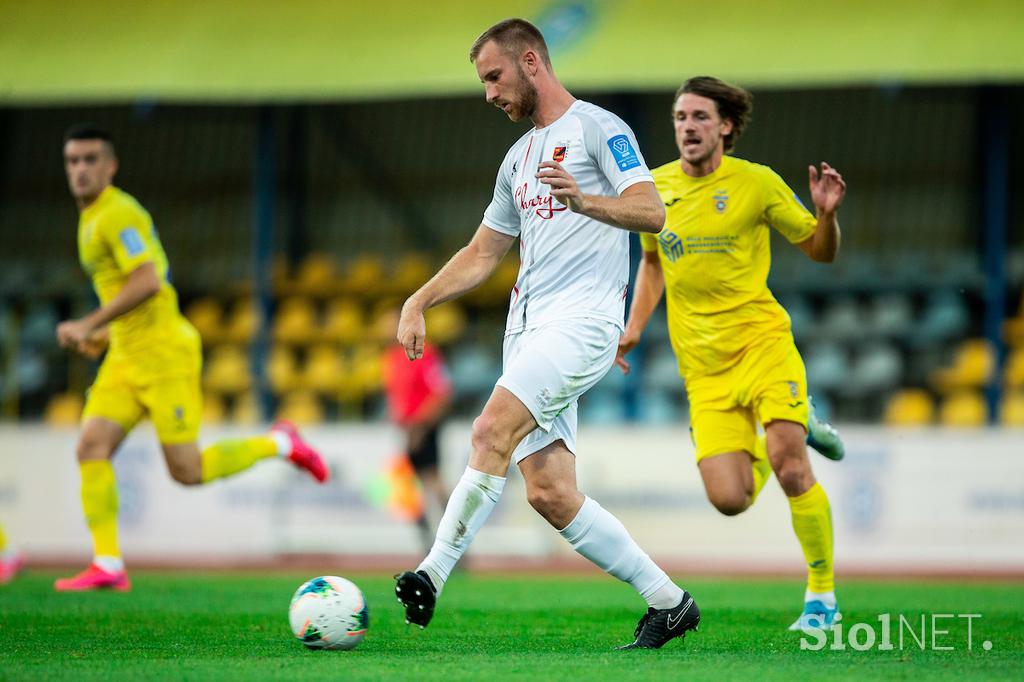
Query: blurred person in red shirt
{"x": 419, "y": 396}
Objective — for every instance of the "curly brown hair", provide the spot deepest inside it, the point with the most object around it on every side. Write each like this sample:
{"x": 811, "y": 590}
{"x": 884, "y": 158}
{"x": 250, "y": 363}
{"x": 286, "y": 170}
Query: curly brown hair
{"x": 733, "y": 102}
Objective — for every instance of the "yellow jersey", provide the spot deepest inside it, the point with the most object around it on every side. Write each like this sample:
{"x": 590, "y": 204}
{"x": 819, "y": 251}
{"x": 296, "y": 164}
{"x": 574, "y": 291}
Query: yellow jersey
{"x": 715, "y": 254}
{"x": 115, "y": 236}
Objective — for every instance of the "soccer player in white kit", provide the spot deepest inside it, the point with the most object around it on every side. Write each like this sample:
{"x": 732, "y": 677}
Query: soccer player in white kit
{"x": 569, "y": 189}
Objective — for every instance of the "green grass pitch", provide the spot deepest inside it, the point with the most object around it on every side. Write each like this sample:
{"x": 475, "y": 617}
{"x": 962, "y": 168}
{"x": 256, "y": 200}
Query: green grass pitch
{"x": 234, "y": 626}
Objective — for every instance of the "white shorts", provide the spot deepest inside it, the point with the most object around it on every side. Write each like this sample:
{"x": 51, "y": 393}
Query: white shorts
{"x": 549, "y": 368}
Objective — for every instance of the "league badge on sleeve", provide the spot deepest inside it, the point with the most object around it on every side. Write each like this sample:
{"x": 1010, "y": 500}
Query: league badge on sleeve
{"x": 132, "y": 242}
{"x": 622, "y": 150}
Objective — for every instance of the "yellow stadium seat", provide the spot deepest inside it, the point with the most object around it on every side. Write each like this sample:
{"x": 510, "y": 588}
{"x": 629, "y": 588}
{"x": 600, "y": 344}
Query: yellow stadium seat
{"x": 324, "y": 370}
{"x": 964, "y": 409}
{"x": 243, "y": 322}
{"x": 972, "y": 367}
{"x": 367, "y": 368}
{"x": 64, "y": 409}
{"x": 282, "y": 370}
{"x": 364, "y": 276}
{"x": 445, "y": 323}
{"x": 317, "y": 276}
{"x": 301, "y": 407}
{"x": 410, "y": 273}
{"x": 247, "y": 410}
{"x": 910, "y": 407}
{"x": 227, "y": 370}
{"x": 205, "y": 315}
{"x": 213, "y": 409}
{"x": 495, "y": 291}
{"x": 1011, "y": 412}
{"x": 295, "y": 321}
{"x": 1013, "y": 328}
{"x": 1013, "y": 375}
{"x": 344, "y": 323}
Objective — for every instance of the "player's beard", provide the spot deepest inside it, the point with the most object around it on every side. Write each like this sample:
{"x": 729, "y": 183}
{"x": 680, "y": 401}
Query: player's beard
{"x": 526, "y": 98}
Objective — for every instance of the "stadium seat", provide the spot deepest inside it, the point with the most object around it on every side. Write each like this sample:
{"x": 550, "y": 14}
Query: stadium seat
{"x": 945, "y": 317}
{"x": 842, "y": 321}
{"x": 316, "y": 276}
{"x": 972, "y": 367}
{"x": 410, "y": 273}
{"x": 295, "y": 321}
{"x": 363, "y": 275}
{"x": 39, "y": 325}
{"x": 301, "y": 407}
{"x": 661, "y": 408}
{"x": 964, "y": 409}
{"x": 227, "y": 370}
{"x": 473, "y": 369}
{"x": 366, "y": 368}
{"x": 910, "y": 407}
{"x": 890, "y": 316}
{"x": 1013, "y": 328}
{"x": 247, "y": 410}
{"x": 1013, "y": 375}
{"x": 1011, "y": 410}
{"x": 243, "y": 322}
{"x": 877, "y": 368}
{"x": 206, "y": 315}
{"x": 64, "y": 409}
{"x": 344, "y": 322}
{"x": 324, "y": 370}
{"x": 213, "y": 409}
{"x": 827, "y": 367}
{"x": 282, "y": 370}
{"x": 445, "y": 324}
{"x": 801, "y": 315}
{"x": 660, "y": 371}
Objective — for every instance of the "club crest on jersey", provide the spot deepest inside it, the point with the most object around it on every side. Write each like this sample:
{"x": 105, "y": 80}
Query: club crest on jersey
{"x": 721, "y": 198}
{"x": 560, "y": 153}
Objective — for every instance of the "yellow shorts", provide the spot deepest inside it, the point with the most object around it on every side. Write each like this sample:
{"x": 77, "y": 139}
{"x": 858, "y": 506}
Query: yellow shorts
{"x": 173, "y": 403}
{"x": 769, "y": 383}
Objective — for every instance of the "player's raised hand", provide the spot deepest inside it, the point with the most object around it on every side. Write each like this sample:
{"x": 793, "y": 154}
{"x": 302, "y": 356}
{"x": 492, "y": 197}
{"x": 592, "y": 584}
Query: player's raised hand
{"x": 412, "y": 330}
{"x": 563, "y": 185}
{"x": 627, "y": 342}
{"x": 827, "y": 188}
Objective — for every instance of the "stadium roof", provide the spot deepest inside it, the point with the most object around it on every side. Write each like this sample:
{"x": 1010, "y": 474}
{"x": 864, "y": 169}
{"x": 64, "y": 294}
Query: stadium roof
{"x": 56, "y": 51}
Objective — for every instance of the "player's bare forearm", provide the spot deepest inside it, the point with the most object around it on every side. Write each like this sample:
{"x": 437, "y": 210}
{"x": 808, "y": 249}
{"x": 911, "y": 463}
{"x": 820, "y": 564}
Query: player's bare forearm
{"x": 466, "y": 270}
{"x": 823, "y": 246}
{"x": 637, "y": 209}
{"x": 648, "y": 290}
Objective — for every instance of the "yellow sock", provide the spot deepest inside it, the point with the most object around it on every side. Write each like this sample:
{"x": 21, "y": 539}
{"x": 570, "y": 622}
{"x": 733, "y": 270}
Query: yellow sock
{"x": 99, "y": 502}
{"x": 228, "y": 457}
{"x": 762, "y": 468}
{"x": 812, "y": 522}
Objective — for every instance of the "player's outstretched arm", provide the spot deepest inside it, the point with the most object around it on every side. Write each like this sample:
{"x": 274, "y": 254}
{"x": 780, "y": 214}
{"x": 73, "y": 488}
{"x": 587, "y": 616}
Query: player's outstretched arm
{"x": 637, "y": 209}
{"x": 827, "y": 191}
{"x": 466, "y": 270}
{"x": 650, "y": 285}
{"x": 141, "y": 285}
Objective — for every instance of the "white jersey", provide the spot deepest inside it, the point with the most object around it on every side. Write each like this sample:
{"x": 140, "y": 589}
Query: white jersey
{"x": 571, "y": 266}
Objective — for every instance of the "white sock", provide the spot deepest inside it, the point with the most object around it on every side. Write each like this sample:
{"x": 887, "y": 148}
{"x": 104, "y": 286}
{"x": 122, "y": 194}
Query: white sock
{"x": 826, "y": 598}
{"x": 110, "y": 564}
{"x": 283, "y": 442}
{"x": 602, "y": 538}
{"x": 468, "y": 507}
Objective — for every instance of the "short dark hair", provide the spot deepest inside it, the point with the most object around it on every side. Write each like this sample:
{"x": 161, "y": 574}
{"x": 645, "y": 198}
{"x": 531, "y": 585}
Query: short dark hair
{"x": 89, "y": 131}
{"x": 733, "y": 102}
{"x": 513, "y": 36}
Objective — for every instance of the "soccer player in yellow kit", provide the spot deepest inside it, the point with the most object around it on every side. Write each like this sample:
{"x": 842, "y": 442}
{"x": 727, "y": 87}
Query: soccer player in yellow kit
{"x": 731, "y": 337}
{"x": 153, "y": 362}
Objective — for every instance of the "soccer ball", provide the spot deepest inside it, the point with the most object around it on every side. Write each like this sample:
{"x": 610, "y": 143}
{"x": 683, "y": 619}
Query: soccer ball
{"x": 329, "y": 613}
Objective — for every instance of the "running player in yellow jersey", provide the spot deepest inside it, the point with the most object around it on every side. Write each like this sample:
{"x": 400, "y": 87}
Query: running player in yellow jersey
{"x": 731, "y": 337}
{"x": 152, "y": 364}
